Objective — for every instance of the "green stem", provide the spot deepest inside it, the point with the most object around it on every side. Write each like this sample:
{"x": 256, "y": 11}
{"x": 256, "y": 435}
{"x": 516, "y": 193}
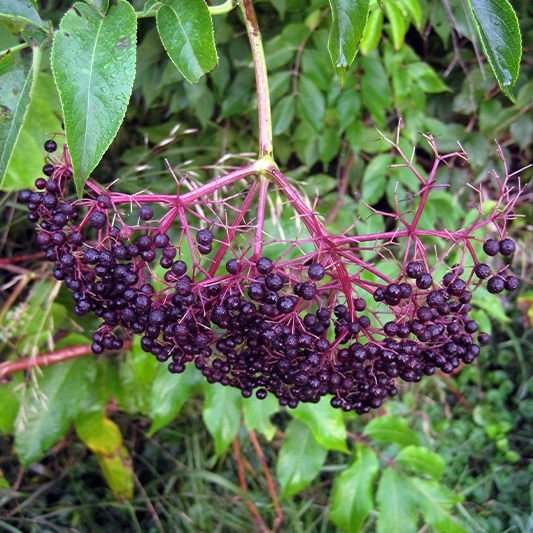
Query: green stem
{"x": 17, "y": 48}
{"x": 226, "y": 7}
{"x": 261, "y": 80}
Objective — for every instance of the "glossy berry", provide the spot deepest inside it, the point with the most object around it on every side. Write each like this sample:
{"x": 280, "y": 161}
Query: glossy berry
{"x": 507, "y": 247}
{"x": 424, "y": 281}
{"x": 232, "y": 266}
{"x": 495, "y": 285}
{"x": 204, "y": 237}
{"x": 50, "y": 146}
{"x": 48, "y": 169}
{"x": 264, "y": 265}
{"x": 146, "y": 213}
{"x": 316, "y": 272}
{"x": 511, "y": 283}
{"x": 97, "y": 220}
{"x": 491, "y": 247}
{"x": 482, "y": 271}
{"x": 414, "y": 269}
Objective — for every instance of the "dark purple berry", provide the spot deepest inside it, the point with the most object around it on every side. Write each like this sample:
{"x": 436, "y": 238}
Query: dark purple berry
{"x": 40, "y": 183}
{"x": 161, "y": 240}
{"x": 204, "y": 237}
{"x": 482, "y": 271}
{"x": 424, "y": 281}
{"x": 146, "y": 213}
{"x": 264, "y": 265}
{"x": 98, "y": 220}
{"x": 316, "y": 272}
{"x": 491, "y": 247}
{"x": 511, "y": 283}
{"x": 507, "y": 247}
{"x": 232, "y": 266}
{"x": 50, "y": 146}
{"x": 48, "y": 169}
{"x": 415, "y": 269}
{"x": 495, "y": 285}
{"x": 273, "y": 282}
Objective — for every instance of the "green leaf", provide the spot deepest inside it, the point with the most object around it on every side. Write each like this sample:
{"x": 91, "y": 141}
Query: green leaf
{"x": 326, "y": 423}
{"x": 422, "y": 74}
{"x": 311, "y": 103}
{"x": 10, "y": 402}
{"x": 372, "y": 34}
{"x": 17, "y": 81}
{"x": 420, "y": 459}
{"x": 352, "y": 498}
{"x": 348, "y": 107}
{"x": 435, "y": 502}
{"x": 169, "y": 393}
{"x": 43, "y": 116}
{"x": 397, "y": 23}
{"x": 101, "y": 5}
{"x": 257, "y": 414}
{"x": 412, "y": 8}
{"x": 396, "y": 504}
{"x": 19, "y": 13}
{"x": 499, "y": 32}
{"x": 186, "y": 31}
{"x": 391, "y": 429}
{"x": 283, "y": 114}
{"x": 222, "y": 414}
{"x": 348, "y": 24}
{"x": 93, "y": 61}
{"x": 375, "y": 178}
{"x": 300, "y": 458}
{"x": 47, "y": 411}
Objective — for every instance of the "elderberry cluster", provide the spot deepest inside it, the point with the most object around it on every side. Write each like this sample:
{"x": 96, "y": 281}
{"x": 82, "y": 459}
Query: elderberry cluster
{"x": 260, "y": 325}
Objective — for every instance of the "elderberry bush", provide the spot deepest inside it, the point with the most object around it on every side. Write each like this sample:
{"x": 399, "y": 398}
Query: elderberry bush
{"x": 315, "y": 321}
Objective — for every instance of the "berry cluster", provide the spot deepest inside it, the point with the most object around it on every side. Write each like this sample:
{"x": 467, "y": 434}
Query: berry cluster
{"x": 300, "y": 329}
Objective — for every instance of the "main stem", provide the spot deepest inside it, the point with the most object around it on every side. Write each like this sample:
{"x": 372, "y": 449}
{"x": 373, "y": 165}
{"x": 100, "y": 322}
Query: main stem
{"x": 261, "y": 79}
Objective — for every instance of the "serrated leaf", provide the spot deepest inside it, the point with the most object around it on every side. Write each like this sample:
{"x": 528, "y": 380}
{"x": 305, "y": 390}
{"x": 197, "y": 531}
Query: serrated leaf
{"x": 499, "y": 32}
{"x": 391, "y": 429}
{"x": 43, "y": 116}
{"x": 257, "y": 414}
{"x": 186, "y": 31}
{"x": 101, "y": 5}
{"x": 347, "y": 27}
{"x": 93, "y": 61}
{"x": 19, "y": 13}
{"x": 420, "y": 459}
{"x": 435, "y": 502}
{"x": 325, "y": 422}
{"x": 283, "y": 114}
{"x": 396, "y": 504}
{"x": 49, "y": 409}
{"x": 169, "y": 393}
{"x": 17, "y": 81}
{"x": 222, "y": 414}
{"x": 375, "y": 179}
{"x": 352, "y": 498}
{"x": 300, "y": 458}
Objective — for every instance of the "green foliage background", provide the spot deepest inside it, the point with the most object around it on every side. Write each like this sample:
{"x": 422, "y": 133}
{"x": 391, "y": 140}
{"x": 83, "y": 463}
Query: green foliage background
{"x": 141, "y": 449}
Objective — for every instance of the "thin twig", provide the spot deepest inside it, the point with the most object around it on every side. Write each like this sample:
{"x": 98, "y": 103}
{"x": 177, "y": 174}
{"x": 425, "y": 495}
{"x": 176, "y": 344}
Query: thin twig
{"x": 50, "y": 358}
{"x": 270, "y": 483}
{"x": 242, "y": 482}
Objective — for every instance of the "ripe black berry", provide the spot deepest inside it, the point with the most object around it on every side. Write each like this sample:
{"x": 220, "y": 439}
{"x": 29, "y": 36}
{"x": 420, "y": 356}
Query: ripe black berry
{"x": 414, "y": 269}
{"x": 273, "y": 282}
{"x": 40, "y": 183}
{"x": 307, "y": 291}
{"x": 264, "y": 265}
{"x": 146, "y": 213}
{"x": 511, "y": 283}
{"x": 491, "y": 247}
{"x": 424, "y": 281}
{"x": 232, "y": 266}
{"x": 482, "y": 271}
{"x": 50, "y": 146}
{"x": 495, "y": 285}
{"x": 204, "y": 238}
{"x": 316, "y": 272}
{"x": 507, "y": 247}
{"x": 98, "y": 220}
{"x": 161, "y": 240}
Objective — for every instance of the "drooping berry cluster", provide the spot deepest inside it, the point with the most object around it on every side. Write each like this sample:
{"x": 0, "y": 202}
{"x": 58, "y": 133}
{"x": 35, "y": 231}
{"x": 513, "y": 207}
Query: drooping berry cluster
{"x": 300, "y": 329}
